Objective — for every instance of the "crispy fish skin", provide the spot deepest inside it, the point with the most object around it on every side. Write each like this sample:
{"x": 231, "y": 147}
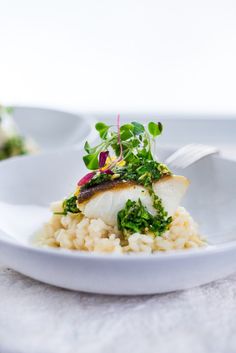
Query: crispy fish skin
{"x": 106, "y": 201}
{"x": 86, "y": 194}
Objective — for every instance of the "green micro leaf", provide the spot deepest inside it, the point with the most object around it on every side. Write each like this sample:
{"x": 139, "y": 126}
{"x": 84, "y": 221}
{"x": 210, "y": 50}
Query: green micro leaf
{"x": 87, "y": 147}
{"x": 126, "y": 131}
{"x": 102, "y": 128}
{"x": 155, "y": 129}
{"x": 91, "y": 161}
{"x": 138, "y": 128}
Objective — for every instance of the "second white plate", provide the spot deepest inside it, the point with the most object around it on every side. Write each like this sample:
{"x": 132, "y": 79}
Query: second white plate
{"x": 54, "y": 129}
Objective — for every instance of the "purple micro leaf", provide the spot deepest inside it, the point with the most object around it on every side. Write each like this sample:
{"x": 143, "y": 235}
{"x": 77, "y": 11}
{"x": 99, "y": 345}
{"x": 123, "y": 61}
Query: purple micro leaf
{"x": 102, "y": 158}
{"x": 85, "y": 179}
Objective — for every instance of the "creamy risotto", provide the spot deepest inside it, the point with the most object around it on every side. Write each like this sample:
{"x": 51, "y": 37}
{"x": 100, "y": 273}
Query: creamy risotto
{"x": 78, "y": 232}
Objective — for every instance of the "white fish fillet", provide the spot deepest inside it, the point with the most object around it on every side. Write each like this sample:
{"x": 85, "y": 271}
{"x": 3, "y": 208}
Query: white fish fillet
{"x": 106, "y": 204}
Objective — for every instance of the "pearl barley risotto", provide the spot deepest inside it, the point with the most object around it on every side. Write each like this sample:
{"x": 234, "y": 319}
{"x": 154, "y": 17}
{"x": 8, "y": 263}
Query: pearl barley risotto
{"x": 78, "y": 232}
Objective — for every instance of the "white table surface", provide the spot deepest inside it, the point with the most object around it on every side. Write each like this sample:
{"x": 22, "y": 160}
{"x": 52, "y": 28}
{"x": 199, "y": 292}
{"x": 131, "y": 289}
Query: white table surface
{"x": 38, "y": 318}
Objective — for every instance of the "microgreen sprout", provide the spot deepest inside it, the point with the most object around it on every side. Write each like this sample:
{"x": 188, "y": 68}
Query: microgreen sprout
{"x": 129, "y": 143}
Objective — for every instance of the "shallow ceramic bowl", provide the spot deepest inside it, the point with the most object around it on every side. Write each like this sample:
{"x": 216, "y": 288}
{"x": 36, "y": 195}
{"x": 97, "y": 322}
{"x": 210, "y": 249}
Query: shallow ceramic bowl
{"x": 54, "y": 129}
{"x": 29, "y": 184}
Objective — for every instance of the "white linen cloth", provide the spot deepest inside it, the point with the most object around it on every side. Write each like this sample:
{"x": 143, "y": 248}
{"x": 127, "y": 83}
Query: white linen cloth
{"x": 38, "y": 318}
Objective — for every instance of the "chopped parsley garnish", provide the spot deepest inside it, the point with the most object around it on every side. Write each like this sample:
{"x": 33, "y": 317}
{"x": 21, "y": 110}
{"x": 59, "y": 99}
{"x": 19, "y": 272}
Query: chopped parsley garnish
{"x": 135, "y": 218}
{"x": 143, "y": 172}
{"x": 69, "y": 206}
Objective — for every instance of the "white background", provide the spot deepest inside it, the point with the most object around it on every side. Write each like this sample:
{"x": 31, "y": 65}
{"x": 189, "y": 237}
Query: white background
{"x": 107, "y": 55}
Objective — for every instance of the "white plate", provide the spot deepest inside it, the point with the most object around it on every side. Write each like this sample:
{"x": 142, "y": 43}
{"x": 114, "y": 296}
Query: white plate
{"x": 29, "y": 184}
{"x": 68, "y": 129}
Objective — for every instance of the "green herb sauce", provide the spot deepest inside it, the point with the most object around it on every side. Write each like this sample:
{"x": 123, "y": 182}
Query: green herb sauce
{"x": 69, "y": 206}
{"x": 134, "y": 217}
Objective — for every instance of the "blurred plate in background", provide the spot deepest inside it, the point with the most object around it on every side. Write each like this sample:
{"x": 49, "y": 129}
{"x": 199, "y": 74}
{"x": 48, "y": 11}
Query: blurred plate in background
{"x": 53, "y": 129}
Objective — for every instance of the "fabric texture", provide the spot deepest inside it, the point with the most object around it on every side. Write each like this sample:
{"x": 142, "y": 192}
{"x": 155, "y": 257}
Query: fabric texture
{"x": 38, "y": 318}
